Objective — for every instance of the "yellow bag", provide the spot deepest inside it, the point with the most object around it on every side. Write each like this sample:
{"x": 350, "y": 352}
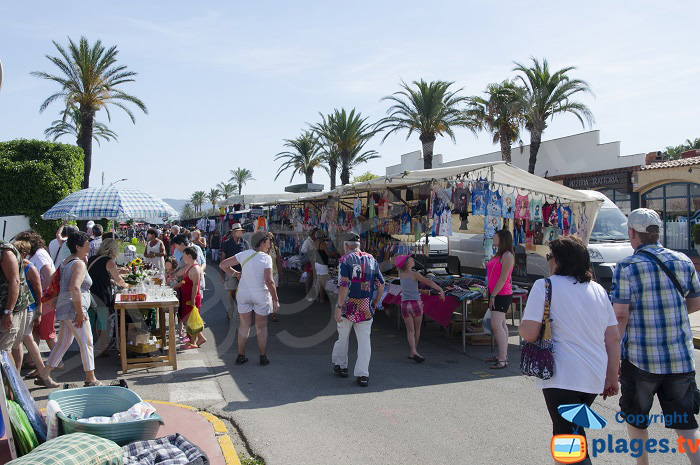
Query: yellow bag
{"x": 195, "y": 324}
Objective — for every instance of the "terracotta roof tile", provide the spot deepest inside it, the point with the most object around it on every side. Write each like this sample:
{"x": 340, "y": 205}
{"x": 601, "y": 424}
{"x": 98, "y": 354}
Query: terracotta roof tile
{"x": 673, "y": 163}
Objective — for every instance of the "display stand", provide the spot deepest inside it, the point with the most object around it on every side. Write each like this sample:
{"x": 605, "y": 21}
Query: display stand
{"x": 6, "y": 420}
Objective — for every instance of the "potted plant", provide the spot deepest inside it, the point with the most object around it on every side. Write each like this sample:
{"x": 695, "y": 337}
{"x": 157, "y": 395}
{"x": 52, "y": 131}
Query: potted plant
{"x": 695, "y": 231}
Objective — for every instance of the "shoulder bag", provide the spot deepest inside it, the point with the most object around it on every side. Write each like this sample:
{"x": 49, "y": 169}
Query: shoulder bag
{"x": 665, "y": 269}
{"x": 537, "y": 358}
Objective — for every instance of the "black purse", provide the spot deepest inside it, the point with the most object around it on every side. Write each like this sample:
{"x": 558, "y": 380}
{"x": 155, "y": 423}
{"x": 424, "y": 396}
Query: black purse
{"x": 537, "y": 358}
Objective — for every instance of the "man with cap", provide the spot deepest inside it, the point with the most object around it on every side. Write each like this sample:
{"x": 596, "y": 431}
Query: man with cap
{"x": 653, "y": 291}
{"x": 234, "y": 245}
{"x": 361, "y": 287}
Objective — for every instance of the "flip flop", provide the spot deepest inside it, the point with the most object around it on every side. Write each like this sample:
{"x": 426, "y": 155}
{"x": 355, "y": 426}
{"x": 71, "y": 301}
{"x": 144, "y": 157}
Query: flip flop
{"x": 202, "y": 343}
{"x": 188, "y": 346}
{"x": 501, "y": 364}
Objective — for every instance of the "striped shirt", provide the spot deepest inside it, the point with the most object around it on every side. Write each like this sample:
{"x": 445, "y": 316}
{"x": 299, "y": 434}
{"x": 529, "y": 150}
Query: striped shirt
{"x": 658, "y": 338}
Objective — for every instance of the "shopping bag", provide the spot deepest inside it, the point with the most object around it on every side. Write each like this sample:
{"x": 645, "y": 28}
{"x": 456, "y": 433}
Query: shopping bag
{"x": 486, "y": 322}
{"x": 51, "y": 292}
{"x": 537, "y": 358}
{"x": 195, "y": 324}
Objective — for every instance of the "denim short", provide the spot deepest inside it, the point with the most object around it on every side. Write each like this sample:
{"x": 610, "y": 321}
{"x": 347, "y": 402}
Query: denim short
{"x": 676, "y": 393}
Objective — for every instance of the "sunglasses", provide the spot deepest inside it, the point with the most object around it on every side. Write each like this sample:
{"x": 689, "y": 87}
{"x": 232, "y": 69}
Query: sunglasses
{"x": 549, "y": 256}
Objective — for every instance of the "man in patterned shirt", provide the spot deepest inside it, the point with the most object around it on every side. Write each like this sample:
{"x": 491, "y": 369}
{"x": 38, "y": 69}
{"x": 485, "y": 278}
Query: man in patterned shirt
{"x": 361, "y": 286}
{"x": 653, "y": 292}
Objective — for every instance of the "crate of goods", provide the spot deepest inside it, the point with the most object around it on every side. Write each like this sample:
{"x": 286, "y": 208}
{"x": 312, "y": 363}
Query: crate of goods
{"x": 145, "y": 348}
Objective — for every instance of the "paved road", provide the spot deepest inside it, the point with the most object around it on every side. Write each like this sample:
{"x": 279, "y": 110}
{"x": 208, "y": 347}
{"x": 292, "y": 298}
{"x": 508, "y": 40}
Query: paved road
{"x": 451, "y": 409}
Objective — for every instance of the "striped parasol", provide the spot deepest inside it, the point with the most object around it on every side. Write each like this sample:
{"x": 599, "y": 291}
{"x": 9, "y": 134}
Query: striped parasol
{"x": 110, "y": 202}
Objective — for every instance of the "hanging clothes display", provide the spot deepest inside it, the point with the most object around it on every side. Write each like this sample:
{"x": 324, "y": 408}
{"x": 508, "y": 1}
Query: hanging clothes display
{"x": 406, "y": 222}
{"x": 494, "y": 202}
{"x": 371, "y": 212}
{"x": 572, "y": 222}
{"x": 550, "y": 233}
{"x": 519, "y": 228}
{"x": 538, "y": 233}
{"x": 357, "y": 207}
{"x": 479, "y": 198}
{"x": 551, "y": 214}
{"x": 522, "y": 209}
{"x": 383, "y": 207}
{"x": 582, "y": 223}
{"x": 492, "y": 224}
{"x": 565, "y": 220}
{"x": 508, "y": 205}
{"x": 536, "y": 210}
{"x": 460, "y": 199}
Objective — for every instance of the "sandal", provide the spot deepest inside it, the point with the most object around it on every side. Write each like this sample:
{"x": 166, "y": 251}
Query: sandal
{"x": 274, "y": 318}
{"x": 417, "y": 358}
{"x": 203, "y": 339}
{"x": 32, "y": 375}
{"x": 493, "y": 359}
{"x": 46, "y": 382}
{"x": 241, "y": 359}
{"x": 92, "y": 383}
{"x": 188, "y": 346}
{"x": 499, "y": 365}
{"x": 264, "y": 361}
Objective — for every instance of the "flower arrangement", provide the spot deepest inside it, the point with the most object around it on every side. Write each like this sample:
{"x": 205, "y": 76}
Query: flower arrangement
{"x": 136, "y": 275}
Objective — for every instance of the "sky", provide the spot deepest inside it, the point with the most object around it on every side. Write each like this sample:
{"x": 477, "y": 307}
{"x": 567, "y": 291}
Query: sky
{"x": 226, "y": 82}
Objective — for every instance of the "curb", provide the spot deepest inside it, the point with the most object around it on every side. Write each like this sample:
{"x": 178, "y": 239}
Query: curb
{"x": 696, "y": 341}
{"x": 225, "y": 442}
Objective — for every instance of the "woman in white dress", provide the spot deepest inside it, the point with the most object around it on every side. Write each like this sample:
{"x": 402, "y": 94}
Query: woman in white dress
{"x": 155, "y": 250}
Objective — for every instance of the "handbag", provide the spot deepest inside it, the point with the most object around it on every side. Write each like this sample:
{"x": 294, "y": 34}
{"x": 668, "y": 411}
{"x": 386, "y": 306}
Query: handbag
{"x": 537, "y": 358}
{"x": 54, "y": 287}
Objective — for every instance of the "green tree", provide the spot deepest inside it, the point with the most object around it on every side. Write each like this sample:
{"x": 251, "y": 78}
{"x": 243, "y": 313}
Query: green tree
{"x": 241, "y": 176}
{"x": 498, "y": 112}
{"x": 69, "y": 125}
{"x": 329, "y": 152}
{"x": 188, "y": 212}
{"x": 197, "y": 200}
{"x": 693, "y": 144}
{"x": 368, "y": 176}
{"x": 213, "y": 197}
{"x": 546, "y": 94}
{"x": 53, "y": 170}
{"x": 226, "y": 189}
{"x": 91, "y": 79}
{"x": 429, "y": 108}
{"x": 345, "y": 131}
{"x": 304, "y": 157}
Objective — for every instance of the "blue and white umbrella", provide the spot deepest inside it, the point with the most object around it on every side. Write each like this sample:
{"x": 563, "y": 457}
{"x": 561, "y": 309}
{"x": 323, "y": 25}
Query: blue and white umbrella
{"x": 110, "y": 202}
{"x": 581, "y": 415}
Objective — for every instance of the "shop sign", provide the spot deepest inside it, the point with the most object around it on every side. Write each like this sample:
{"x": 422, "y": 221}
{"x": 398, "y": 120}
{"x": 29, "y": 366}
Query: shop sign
{"x": 596, "y": 181}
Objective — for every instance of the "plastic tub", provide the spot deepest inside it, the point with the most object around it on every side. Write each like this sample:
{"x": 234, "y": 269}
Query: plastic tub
{"x": 103, "y": 401}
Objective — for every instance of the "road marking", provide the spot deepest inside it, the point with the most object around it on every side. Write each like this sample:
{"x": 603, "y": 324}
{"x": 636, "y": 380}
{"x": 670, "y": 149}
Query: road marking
{"x": 484, "y": 375}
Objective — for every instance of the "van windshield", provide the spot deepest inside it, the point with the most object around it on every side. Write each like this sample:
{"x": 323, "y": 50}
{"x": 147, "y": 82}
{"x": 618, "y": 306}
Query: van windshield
{"x": 611, "y": 225}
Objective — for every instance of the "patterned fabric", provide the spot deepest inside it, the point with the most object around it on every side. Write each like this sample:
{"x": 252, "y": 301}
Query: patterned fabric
{"x": 111, "y": 202}
{"x": 74, "y": 449}
{"x": 537, "y": 358}
{"x": 411, "y": 308}
{"x": 95, "y": 245}
{"x": 658, "y": 338}
{"x": 25, "y": 297}
{"x": 169, "y": 450}
{"x": 359, "y": 272}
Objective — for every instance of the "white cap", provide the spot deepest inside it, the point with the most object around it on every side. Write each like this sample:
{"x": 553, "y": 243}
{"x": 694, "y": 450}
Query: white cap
{"x": 90, "y": 224}
{"x": 641, "y": 218}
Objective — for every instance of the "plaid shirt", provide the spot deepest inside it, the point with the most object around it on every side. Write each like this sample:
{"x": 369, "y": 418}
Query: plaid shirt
{"x": 658, "y": 338}
{"x": 168, "y": 450}
{"x": 74, "y": 449}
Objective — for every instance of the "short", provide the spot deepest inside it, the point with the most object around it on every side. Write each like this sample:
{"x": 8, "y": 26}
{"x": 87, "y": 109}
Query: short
{"x": 677, "y": 394}
{"x": 411, "y": 308}
{"x": 502, "y": 303}
{"x": 8, "y": 337}
{"x": 29, "y": 324}
{"x": 261, "y": 304}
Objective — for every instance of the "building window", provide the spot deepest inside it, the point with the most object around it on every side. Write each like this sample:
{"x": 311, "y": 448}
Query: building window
{"x": 678, "y": 205}
{"x": 621, "y": 199}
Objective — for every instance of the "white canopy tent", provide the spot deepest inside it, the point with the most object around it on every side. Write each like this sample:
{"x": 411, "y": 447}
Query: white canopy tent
{"x": 259, "y": 199}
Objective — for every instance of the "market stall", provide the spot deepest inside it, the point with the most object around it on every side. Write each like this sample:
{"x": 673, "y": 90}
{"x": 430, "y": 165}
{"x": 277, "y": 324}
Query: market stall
{"x": 397, "y": 215}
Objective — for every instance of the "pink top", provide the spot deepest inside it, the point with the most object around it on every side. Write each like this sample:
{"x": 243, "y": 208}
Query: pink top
{"x": 493, "y": 269}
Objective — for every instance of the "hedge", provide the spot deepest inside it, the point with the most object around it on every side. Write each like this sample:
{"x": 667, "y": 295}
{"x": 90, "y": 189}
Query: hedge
{"x": 34, "y": 176}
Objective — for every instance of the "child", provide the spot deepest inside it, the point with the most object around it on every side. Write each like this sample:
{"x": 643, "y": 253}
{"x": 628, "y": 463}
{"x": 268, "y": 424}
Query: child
{"x": 170, "y": 267}
{"x": 411, "y": 305}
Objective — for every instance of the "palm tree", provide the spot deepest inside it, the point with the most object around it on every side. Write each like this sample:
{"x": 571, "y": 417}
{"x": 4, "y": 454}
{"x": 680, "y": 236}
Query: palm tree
{"x": 692, "y": 144}
{"x": 187, "y": 211}
{"x": 345, "y": 131}
{"x": 329, "y": 151}
{"x": 429, "y": 109}
{"x": 241, "y": 176}
{"x": 213, "y": 197}
{"x": 226, "y": 189}
{"x": 90, "y": 79}
{"x": 500, "y": 113}
{"x": 69, "y": 125}
{"x": 545, "y": 94}
{"x": 359, "y": 156}
{"x": 305, "y": 157}
{"x": 197, "y": 200}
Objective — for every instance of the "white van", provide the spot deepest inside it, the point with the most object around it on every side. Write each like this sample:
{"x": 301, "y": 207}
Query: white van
{"x": 608, "y": 244}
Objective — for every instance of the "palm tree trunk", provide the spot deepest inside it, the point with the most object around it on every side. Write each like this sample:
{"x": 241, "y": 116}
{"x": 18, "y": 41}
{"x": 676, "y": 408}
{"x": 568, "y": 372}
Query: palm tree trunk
{"x": 333, "y": 170}
{"x": 345, "y": 167}
{"x": 428, "y": 143}
{"x": 505, "y": 142}
{"x": 535, "y": 141}
{"x": 87, "y": 120}
{"x": 309, "y": 176}
{"x": 240, "y": 188}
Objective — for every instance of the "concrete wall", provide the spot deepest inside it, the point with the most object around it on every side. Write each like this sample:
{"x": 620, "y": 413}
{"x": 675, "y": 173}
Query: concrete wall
{"x": 648, "y": 179}
{"x": 11, "y": 225}
{"x": 579, "y": 153}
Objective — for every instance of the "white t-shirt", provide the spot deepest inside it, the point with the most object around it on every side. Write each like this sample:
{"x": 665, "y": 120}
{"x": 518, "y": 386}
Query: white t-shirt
{"x": 253, "y": 273}
{"x": 63, "y": 253}
{"x": 41, "y": 259}
{"x": 53, "y": 248}
{"x": 580, "y": 313}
